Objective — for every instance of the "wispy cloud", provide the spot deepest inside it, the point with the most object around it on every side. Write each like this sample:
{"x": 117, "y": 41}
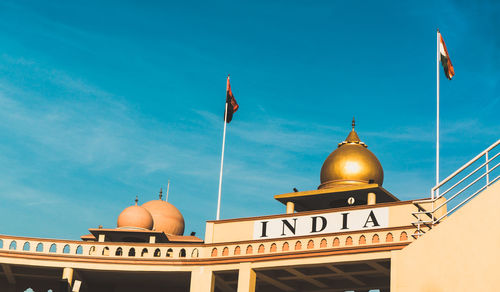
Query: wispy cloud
{"x": 98, "y": 134}
{"x": 86, "y": 136}
{"x": 280, "y": 133}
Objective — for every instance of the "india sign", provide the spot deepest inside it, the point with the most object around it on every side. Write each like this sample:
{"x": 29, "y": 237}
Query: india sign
{"x": 322, "y": 223}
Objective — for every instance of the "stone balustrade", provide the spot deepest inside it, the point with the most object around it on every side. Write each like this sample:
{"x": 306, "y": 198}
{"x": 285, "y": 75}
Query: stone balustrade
{"x": 97, "y": 249}
{"x": 196, "y": 251}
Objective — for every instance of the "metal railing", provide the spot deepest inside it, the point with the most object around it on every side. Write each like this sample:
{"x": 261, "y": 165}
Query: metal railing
{"x": 442, "y": 197}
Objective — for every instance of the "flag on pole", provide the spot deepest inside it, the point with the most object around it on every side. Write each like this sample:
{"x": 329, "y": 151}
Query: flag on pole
{"x": 445, "y": 59}
{"x": 232, "y": 105}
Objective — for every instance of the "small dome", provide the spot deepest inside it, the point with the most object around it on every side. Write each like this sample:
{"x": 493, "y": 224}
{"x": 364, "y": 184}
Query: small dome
{"x": 351, "y": 163}
{"x": 135, "y": 217}
{"x": 167, "y": 218}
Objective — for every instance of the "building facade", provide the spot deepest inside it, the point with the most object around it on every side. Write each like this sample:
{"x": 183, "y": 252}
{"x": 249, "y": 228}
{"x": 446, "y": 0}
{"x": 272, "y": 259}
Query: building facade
{"x": 350, "y": 234}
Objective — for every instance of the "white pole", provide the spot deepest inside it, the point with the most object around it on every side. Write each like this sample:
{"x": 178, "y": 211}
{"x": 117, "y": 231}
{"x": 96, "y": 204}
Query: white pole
{"x": 168, "y": 188}
{"x": 437, "y": 110}
{"x": 222, "y": 163}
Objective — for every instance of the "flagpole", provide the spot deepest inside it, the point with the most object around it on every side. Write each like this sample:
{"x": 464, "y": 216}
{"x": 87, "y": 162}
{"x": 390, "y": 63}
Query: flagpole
{"x": 438, "y": 57}
{"x": 168, "y": 189}
{"x": 222, "y": 163}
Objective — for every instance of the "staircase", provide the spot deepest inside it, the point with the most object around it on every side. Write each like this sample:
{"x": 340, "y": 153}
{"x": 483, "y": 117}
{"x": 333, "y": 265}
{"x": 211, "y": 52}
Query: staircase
{"x": 457, "y": 189}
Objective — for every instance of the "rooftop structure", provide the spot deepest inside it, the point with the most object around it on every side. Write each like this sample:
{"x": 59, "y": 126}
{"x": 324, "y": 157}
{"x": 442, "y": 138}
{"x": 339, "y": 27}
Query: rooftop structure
{"x": 350, "y": 234}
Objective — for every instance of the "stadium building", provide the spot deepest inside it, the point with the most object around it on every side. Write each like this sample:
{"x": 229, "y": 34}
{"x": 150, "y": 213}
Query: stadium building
{"x": 349, "y": 234}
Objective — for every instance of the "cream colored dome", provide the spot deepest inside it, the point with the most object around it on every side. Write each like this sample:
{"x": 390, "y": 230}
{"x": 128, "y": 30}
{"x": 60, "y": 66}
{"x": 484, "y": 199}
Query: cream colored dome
{"x": 351, "y": 163}
{"x": 135, "y": 217}
{"x": 167, "y": 218}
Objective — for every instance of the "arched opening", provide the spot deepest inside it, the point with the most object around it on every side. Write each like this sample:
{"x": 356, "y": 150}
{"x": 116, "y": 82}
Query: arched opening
{"x": 1, "y": 243}
{"x": 144, "y": 252}
{"x": 214, "y": 252}
{"x": 336, "y": 241}
{"x": 39, "y": 247}
{"x": 323, "y": 243}
{"x": 375, "y": 238}
{"x": 298, "y": 245}
{"x": 119, "y": 252}
{"x": 286, "y": 246}
{"x": 273, "y": 248}
{"x": 26, "y": 246}
{"x": 131, "y": 252}
{"x": 348, "y": 241}
{"x": 169, "y": 253}
{"x": 237, "y": 250}
{"x": 66, "y": 248}
{"x": 92, "y": 250}
{"x": 225, "y": 251}
{"x": 403, "y": 236}
{"x": 13, "y": 245}
{"x": 157, "y": 253}
{"x": 182, "y": 253}
{"x": 53, "y": 248}
{"x": 195, "y": 253}
{"x": 79, "y": 250}
{"x": 310, "y": 244}
{"x": 249, "y": 249}
{"x": 389, "y": 237}
{"x": 105, "y": 251}
{"x": 261, "y": 249}
{"x": 362, "y": 239}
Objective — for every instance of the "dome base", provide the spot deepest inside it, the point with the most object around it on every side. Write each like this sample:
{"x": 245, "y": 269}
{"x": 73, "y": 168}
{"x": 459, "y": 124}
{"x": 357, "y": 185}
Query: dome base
{"x": 335, "y": 197}
{"x": 343, "y": 183}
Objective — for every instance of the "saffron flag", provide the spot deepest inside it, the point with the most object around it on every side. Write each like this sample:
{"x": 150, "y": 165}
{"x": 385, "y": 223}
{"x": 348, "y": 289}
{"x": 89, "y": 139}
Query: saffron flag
{"x": 445, "y": 59}
{"x": 232, "y": 105}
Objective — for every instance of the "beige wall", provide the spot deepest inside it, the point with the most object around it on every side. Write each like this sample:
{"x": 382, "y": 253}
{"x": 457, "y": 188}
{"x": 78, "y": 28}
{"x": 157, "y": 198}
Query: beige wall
{"x": 231, "y": 231}
{"x": 460, "y": 254}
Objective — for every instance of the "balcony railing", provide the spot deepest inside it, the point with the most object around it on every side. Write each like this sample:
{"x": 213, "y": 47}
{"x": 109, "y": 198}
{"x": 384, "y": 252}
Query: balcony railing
{"x": 458, "y": 189}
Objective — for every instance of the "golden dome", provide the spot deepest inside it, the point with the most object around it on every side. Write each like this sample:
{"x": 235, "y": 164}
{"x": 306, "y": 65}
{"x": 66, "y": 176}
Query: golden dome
{"x": 167, "y": 217}
{"x": 135, "y": 217}
{"x": 350, "y": 164}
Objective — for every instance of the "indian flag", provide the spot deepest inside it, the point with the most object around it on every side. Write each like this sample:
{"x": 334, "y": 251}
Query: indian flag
{"x": 232, "y": 105}
{"x": 445, "y": 59}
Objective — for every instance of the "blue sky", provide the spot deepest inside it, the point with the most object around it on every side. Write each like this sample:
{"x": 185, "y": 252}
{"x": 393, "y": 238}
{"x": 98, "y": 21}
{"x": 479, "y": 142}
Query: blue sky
{"x": 100, "y": 102}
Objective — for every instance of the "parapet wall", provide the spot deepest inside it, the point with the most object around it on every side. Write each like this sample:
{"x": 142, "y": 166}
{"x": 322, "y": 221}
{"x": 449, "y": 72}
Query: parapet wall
{"x": 388, "y": 215}
{"x": 22, "y": 248}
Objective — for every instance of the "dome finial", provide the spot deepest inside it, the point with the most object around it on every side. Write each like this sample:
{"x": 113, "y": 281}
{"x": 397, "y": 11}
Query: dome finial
{"x": 161, "y": 193}
{"x": 136, "y": 200}
{"x": 352, "y": 138}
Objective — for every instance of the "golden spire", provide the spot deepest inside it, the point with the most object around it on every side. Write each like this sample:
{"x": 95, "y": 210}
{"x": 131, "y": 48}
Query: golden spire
{"x": 353, "y": 137}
